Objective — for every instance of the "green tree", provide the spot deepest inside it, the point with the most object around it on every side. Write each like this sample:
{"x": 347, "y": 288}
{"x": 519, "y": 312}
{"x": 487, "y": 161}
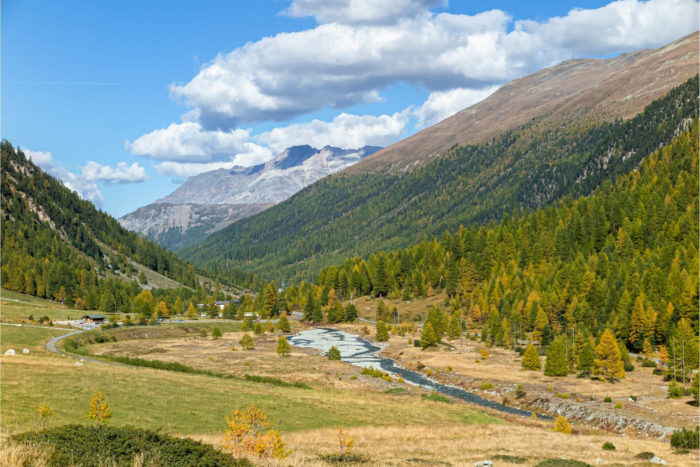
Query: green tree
{"x": 382, "y": 332}
{"x": 556, "y": 363}
{"x": 283, "y": 348}
{"x": 247, "y": 342}
{"x": 454, "y": 329}
{"x": 283, "y": 323}
{"x": 428, "y": 337}
{"x": 585, "y": 359}
{"x": 216, "y": 333}
{"x": 608, "y": 362}
{"x": 531, "y": 360}
{"x": 333, "y": 353}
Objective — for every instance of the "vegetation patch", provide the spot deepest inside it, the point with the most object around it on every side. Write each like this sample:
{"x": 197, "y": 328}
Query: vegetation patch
{"x": 396, "y": 391}
{"x": 562, "y": 463}
{"x": 435, "y": 397}
{"x": 646, "y": 455}
{"x": 344, "y": 458}
{"x": 686, "y": 439}
{"x": 276, "y": 381}
{"x": 123, "y": 446}
{"x": 509, "y": 459}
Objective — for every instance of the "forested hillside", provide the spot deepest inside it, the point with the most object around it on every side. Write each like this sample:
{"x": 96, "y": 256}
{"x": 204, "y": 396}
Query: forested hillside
{"x": 58, "y": 246}
{"x": 355, "y": 215}
{"x": 624, "y": 258}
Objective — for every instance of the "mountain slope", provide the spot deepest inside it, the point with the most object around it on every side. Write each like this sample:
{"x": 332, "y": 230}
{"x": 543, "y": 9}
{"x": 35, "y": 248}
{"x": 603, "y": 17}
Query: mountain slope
{"x": 212, "y": 200}
{"x": 601, "y": 89}
{"x": 353, "y": 214}
{"x": 59, "y": 246}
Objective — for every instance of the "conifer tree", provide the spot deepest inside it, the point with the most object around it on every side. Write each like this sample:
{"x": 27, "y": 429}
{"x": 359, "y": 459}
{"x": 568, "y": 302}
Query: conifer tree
{"x": 556, "y": 363}
{"x": 531, "y": 360}
{"x": 585, "y": 359}
{"x": 99, "y": 409}
{"x": 428, "y": 336}
{"x": 608, "y": 362}
{"x": 283, "y": 348}
{"x": 333, "y": 353}
{"x": 283, "y": 323}
{"x": 382, "y": 332}
{"x": 191, "y": 312}
{"x": 247, "y": 342}
{"x": 350, "y": 313}
{"x": 454, "y": 331}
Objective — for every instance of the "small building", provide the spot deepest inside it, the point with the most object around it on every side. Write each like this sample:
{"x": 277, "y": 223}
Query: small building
{"x": 97, "y": 319}
{"x": 221, "y": 304}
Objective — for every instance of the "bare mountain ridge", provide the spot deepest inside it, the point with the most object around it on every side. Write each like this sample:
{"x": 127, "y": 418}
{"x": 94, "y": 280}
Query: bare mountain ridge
{"x": 597, "y": 88}
{"x": 213, "y": 200}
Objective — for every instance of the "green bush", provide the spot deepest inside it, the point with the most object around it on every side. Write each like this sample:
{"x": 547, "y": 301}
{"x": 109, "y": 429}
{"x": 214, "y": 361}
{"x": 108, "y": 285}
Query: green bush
{"x": 608, "y": 446}
{"x": 435, "y": 397}
{"x": 90, "y": 445}
{"x": 674, "y": 390}
{"x": 686, "y": 439}
{"x": 276, "y": 381}
{"x": 396, "y": 391}
{"x": 628, "y": 366}
{"x": 345, "y": 458}
{"x": 562, "y": 463}
{"x": 333, "y": 353}
{"x": 646, "y": 455}
{"x": 648, "y": 364}
{"x": 509, "y": 459}
{"x": 607, "y": 399}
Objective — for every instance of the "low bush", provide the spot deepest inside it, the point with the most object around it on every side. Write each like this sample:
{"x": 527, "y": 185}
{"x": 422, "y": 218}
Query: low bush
{"x": 608, "y": 446}
{"x": 648, "y": 364}
{"x": 674, "y": 390}
{"x": 396, "y": 391}
{"x": 276, "y": 381}
{"x": 486, "y": 385}
{"x": 686, "y": 439}
{"x": 646, "y": 455}
{"x": 91, "y": 445}
{"x": 344, "y": 458}
{"x": 435, "y": 397}
{"x": 509, "y": 459}
{"x": 607, "y": 399}
{"x": 562, "y": 463}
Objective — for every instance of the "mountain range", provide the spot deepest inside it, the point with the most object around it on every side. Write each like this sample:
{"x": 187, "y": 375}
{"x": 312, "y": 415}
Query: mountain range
{"x": 212, "y": 200}
{"x": 560, "y": 132}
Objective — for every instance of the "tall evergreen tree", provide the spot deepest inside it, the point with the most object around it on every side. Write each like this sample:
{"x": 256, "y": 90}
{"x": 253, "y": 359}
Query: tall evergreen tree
{"x": 556, "y": 363}
{"x": 531, "y": 360}
{"x": 608, "y": 362}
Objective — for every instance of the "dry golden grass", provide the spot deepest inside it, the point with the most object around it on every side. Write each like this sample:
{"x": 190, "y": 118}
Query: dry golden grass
{"x": 20, "y": 455}
{"x": 461, "y": 445}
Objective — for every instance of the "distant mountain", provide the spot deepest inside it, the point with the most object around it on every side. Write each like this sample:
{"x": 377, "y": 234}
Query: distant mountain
{"x": 598, "y": 89}
{"x": 572, "y": 128}
{"x": 213, "y": 200}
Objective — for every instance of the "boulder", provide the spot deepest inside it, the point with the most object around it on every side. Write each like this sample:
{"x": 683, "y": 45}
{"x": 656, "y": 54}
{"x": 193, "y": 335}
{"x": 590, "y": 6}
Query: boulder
{"x": 657, "y": 460}
{"x": 10, "y": 352}
{"x": 25, "y": 350}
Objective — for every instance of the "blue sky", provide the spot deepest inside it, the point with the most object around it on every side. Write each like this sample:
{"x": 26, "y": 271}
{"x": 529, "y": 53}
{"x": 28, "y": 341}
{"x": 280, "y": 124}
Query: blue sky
{"x": 124, "y": 100}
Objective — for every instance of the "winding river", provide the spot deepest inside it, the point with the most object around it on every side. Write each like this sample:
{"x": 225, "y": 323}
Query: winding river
{"x": 357, "y": 351}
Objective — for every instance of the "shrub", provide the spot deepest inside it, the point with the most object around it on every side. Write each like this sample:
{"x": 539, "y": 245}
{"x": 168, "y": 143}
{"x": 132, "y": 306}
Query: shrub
{"x": 520, "y": 392}
{"x": 333, "y": 353}
{"x": 435, "y": 397}
{"x": 618, "y": 405}
{"x": 275, "y": 381}
{"x": 628, "y": 367}
{"x": 484, "y": 352}
{"x": 607, "y": 399}
{"x": 646, "y": 455}
{"x": 396, "y": 391}
{"x": 247, "y": 342}
{"x": 77, "y": 445}
{"x": 561, "y": 425}
{"x": 531, "y": 359}
{"x": 562, "y": 463}
{"x": 416, "y": 343}
{"x": 486, "y": 385}
{"x": 509, "y": 459}
{"x": 562, "y": 395}
{"x": 216, "y": 333}
{"x": 685, "y": 439}
{"x": 634, "y": 398}
{"x": 283, "y": 348}
{"x": 244, "y": 435}
{"x": 648, "y": 364}
{"x": 608, "y": 446}
{"x": 674, "y": 390}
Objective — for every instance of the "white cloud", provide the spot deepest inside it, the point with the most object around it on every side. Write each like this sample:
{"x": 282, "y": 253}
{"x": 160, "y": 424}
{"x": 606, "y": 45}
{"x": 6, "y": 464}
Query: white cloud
{"x": 360, "y": 11}
{"x": 442, "y": 104}
{"x": 339, "y": 64}
{"x": 188, "y": 142}
{"x": 85, "y": 182}
{"x": 181, "y": 170}
{"x": 346, "y": 131}
{"x": 40, "y": 158}
{"x": 123, "y": 173}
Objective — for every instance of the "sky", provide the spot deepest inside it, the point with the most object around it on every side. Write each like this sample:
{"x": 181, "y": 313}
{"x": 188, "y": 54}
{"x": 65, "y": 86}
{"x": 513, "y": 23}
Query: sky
{"x": 125, "y": 100}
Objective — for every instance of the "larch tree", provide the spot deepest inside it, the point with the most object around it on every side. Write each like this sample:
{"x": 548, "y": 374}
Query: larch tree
{"x": 556, "y": 363}
{"x": 99, "y": 409}
{"x": 608, "y": 363}
{"x": 428, "y": 336}
{"x": 382, "y": 332}
{"x": 531, "y": 360}
{"x": 283, "y": 323}
{"x": 283, "y": 348}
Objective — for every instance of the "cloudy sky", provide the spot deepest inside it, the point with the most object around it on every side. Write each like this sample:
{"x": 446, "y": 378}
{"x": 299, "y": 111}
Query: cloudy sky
{"x": 124, "y": 101}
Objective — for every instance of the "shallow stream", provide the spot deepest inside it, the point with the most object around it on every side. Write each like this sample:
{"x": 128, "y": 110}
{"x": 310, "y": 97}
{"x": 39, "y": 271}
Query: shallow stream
{"x": 359, "y": 352}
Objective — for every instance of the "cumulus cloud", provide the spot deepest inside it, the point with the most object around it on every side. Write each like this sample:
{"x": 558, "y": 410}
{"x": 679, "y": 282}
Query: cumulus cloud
{"x": 360, "y": 11}
{"x": 189, "y": 142}
{"x": 338, "y": 63}
{"x": 40, "y": 158}
{"x": 123, "y": 173}
{"x": 85, "y": 182}
{"x": 442, "y": 104}
{"x": 345, "y": 130}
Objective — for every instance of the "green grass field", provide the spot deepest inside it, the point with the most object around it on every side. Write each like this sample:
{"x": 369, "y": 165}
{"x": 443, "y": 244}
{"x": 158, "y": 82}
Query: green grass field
{"x": 188, "y": 404}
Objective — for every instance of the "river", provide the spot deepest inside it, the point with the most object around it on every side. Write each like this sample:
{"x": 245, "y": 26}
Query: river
{"x": 359, "y": 352}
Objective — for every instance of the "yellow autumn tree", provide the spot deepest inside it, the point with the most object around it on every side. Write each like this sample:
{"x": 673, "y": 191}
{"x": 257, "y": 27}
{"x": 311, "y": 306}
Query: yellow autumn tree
{"x": 608, "y": 362}
{"x": 561, "y": 425}
{"x": 245, "y": 435}
{"x": 99, "y": 409}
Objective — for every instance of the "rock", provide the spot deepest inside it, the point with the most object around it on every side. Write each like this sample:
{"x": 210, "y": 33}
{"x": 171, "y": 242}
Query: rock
{"x": 657, "y": 460}
{"x": 10, "y": 352}
{"x": 599, "y": 461}
{"x": 79, "y": 363}
{"x": 484, "y": 464}
{"x": 25, "y": 350}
